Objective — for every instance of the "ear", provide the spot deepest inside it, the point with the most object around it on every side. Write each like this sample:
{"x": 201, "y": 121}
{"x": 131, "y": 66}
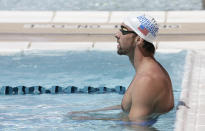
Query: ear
{"x": 139, "y": 40}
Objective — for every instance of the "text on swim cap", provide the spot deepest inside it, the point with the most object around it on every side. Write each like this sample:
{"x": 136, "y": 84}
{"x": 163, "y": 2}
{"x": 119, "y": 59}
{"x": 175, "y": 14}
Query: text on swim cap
{"x": 148, "y": 25}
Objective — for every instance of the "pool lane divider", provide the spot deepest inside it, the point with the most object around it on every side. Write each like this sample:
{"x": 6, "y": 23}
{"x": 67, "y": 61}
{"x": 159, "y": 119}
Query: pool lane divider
{"x": 36, "y": 90}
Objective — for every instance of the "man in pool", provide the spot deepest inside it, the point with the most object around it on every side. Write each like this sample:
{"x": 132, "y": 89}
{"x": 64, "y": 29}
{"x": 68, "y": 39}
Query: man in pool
{"x": 150, "y": 92}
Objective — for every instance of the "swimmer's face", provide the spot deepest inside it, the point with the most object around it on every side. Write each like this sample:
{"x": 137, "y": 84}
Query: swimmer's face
{"x": 125, "y": 39}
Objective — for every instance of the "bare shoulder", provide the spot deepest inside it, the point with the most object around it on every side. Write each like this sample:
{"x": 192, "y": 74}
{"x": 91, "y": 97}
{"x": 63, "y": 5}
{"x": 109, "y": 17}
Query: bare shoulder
{"x": 148, "y": 85}
{"x": 147, "y": 80}
{"x": 144, "y": 81}
{"x": 145, "y": 84}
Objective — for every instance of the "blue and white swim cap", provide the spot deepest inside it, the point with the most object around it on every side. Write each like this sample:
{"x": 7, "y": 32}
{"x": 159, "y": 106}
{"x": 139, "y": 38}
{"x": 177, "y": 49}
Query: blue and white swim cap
{"x": 145, "y": 26}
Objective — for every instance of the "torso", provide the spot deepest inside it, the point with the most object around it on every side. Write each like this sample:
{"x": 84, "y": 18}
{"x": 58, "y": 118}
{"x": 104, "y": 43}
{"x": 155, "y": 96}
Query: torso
{"x": 164, "y": 100}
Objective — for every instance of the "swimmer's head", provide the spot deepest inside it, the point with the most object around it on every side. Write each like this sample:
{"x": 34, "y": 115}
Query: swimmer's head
{"x": 133, "y": 28}
{"x": 145, "y": 26}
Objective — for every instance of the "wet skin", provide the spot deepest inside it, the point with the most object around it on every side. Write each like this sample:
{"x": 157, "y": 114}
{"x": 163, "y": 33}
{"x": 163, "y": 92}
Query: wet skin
{"x": 150, "y": 92}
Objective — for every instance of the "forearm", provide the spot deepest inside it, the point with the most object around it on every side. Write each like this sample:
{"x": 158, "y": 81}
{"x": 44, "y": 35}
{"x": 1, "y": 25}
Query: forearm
{"x": 93, "y": 118}
{"x": 117, "y": 107}
{"x": 120, "y": 118}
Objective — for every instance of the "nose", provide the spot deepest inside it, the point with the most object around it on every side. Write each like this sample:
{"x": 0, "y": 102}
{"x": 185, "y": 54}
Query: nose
{"x": 117, "y": 35}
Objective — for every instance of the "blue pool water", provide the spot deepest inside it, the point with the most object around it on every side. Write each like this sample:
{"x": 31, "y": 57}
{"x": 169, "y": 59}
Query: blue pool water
{"x": 101, "y": 5}
{"x": 78, "y": 68}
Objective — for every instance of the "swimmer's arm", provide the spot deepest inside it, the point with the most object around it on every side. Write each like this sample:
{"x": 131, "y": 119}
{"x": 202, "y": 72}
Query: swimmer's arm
{"x": 142, "y": 104}
{"x": 124, "y": 118}
{"x": 117, "y": 107}
{"x": 94, "y": 118}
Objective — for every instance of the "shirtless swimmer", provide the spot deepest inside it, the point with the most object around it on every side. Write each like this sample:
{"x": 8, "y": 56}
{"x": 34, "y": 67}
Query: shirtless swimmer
{"x": 150, "y": 92}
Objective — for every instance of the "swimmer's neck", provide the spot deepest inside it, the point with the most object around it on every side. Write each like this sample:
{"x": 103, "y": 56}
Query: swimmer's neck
{"x": 138, "y": 57}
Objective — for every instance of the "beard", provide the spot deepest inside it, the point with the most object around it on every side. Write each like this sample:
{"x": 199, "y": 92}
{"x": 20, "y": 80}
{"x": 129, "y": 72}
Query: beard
{"x": 121, "y": 51}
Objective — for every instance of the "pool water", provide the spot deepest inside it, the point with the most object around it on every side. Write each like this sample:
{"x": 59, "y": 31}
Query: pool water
{"x": 100, "y": 5}
{"x": 78, "y": 68}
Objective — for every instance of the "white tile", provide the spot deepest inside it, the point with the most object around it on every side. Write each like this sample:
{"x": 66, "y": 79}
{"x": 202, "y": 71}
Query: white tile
{"x": 168, "y": 50}
{"x": 200, "y": 128}
{"x": 182, "y": 45}
{"x": 61, "y": 45}
{"x": 105, "y": 46}
{"x": 202, "y": 85}
{"x": 200, "y": 120}
{"x": 178, "y": 126}
{"x": 186, "y": 17}
{"x": 202, "y": 99}
{"x": 180, "y": 113}
{"x": 81, "y": 16}
{"x": 118, "y": 16}
{"x": 189, "y": 127}
{"x": 8, "y": 45}
{"x": 192, "y": 110}
{"x": 202, "y": 109}
{"x": 191, "y": 119}
{"x": 25, "y": 16}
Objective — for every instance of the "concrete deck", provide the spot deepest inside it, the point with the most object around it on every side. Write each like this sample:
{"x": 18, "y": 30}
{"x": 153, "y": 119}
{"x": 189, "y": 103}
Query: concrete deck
{"x": 192, "y": 116}
{"x": 95, "y": 26}
{"x": 22, "y": 31}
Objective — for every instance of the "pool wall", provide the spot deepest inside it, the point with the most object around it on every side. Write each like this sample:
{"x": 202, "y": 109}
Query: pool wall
{"x": 88, "y": 25}
{"x": 59, "y": 30}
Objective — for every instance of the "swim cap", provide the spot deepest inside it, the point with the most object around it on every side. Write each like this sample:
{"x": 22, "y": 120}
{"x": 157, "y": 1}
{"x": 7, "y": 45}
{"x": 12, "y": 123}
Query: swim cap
{"x": 145, "y": 26}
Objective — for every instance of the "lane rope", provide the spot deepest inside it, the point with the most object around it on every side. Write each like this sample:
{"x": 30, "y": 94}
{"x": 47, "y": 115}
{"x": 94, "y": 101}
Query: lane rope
{"x": 36, "y": 90}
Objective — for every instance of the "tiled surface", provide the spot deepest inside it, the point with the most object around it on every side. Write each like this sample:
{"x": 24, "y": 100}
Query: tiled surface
{"x": 81, "y": 17}
{"x": 201, "y": 107}
{"x": 61, "y": 45}
{"x": 168, "y": 50}
{"x": 194, "y": 117}
{"x": 201, "y": 119}
{"x": 8, "y": 45}
{"x": 24, "y": 17}
{"x": 201, "y": 128}
{"x": 118, "y": 16}
{"x": 105, "y": 46}
{"x": 186, "y": 16}
{"x": 188, "y": 45}
{"x": 98, "y": 16}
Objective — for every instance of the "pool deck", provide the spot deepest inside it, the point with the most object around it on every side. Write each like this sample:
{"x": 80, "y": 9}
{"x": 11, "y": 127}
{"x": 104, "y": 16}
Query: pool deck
{"x": 89, "y": 25}
{"x": 179, "y": 30}
{"x": 191, "y": 117}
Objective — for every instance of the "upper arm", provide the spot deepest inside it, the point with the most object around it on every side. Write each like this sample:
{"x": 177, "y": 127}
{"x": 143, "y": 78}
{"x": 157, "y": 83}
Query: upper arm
{"x": 143, "y": 96}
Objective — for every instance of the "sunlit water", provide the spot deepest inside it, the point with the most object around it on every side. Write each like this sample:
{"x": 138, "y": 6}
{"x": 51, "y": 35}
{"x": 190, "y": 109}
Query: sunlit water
{"x": 64, "y": 68}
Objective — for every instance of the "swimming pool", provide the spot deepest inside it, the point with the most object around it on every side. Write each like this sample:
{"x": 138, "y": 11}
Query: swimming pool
{"x": 101, "y": 5}
{"x": 78, "y": 68}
